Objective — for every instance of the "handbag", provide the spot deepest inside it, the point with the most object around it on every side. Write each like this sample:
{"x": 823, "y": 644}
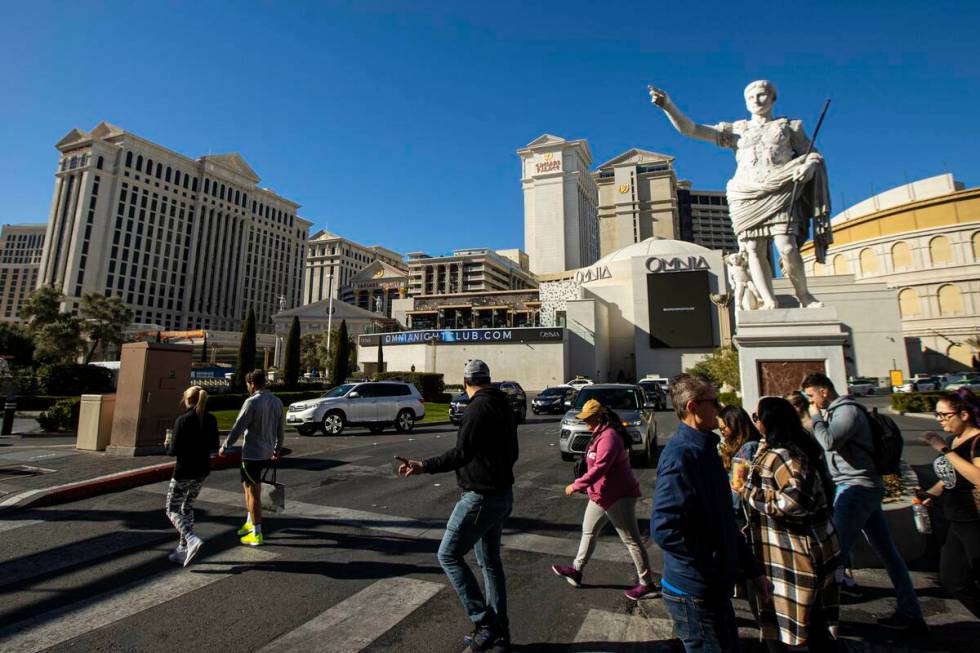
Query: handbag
{"x": 580, "y": 467}
{"x": 273, "y": 492}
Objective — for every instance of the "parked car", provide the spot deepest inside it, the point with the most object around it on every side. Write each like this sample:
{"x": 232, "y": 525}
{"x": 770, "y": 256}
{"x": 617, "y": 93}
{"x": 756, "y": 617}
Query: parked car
{"x": 579, "y": 381}
{"x": 655, "y": 394}
{"x": 919, "y": 383}
{"x": 968, "y": 380}
{"x": 515, "y": 396}
{"x": 375, "y": 404}
{"x": 552, "y": 400}
{"x": 862, "y": 385}
{"x": 629, "y": 402}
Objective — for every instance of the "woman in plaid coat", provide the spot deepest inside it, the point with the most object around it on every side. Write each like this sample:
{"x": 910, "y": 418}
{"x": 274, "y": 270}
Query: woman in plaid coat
{"x": 786, "y": 497}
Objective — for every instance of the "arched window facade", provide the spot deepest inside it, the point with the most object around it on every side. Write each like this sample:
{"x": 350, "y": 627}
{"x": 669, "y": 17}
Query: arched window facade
{"x": 901, "y": 256}
{"x": 950, "y": 300}
{"x": 840, "y": 265}
{"x": 869, "y": 261}
{"x": 940, "y": 250}
{"x": 139, "y": 163}
{"x": 99, "y": 162}
{"x": 909, "y": 304}
{"x": 176, "y": 177}
{"x": 129, "y": 159}
{"x": 159, "y": 171}
{"x": 166, "y": 175}
{"x": 976, "y": 246}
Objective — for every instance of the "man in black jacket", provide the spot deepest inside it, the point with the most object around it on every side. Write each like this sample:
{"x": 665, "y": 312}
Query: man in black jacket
{"x": 483, "y": 459}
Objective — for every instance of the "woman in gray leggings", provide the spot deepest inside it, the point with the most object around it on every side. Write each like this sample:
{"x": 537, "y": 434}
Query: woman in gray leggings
{"x": 613, "y": 490}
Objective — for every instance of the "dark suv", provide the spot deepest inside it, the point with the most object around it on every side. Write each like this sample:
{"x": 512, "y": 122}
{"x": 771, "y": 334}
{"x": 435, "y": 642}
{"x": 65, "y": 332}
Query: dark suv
{"x": 552, "y": 400}
{"x": 515, "y": 396}
{"x": 655, "y": 394}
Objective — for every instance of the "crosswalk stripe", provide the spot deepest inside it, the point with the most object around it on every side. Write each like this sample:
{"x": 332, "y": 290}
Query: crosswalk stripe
{"x": 355, "y": 622}
{"x": 626, "y": 633}
{"x": 611, "y": 550}
{"x": 63, "y": 624}
{"x": 77, "y": 554}
{"x": 11, "y": 524}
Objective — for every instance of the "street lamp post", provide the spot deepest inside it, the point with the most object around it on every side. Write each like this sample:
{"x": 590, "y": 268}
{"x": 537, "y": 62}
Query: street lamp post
{"x": 329, "y": 314}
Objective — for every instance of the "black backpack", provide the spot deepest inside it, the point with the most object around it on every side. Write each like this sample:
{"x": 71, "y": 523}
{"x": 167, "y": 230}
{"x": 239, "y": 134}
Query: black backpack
{"x": 887, "y": 439}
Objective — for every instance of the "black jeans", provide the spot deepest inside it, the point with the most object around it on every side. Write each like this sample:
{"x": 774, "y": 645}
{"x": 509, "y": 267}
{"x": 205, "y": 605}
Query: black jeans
{"x": 959, "y": 563}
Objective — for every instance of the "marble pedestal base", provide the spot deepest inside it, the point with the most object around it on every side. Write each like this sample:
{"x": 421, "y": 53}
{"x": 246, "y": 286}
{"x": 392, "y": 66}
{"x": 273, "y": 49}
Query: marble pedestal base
{"x": 778, "y": 348}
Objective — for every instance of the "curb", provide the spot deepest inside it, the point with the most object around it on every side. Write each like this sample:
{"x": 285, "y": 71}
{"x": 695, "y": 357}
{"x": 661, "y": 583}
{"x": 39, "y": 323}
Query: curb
{"x": 100, "y": 485}
{"x": 928, "y": 416}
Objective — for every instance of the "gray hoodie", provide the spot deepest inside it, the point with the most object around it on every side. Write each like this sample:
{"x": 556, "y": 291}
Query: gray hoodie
{"x": 261, "y": 422}
{"x": 846, "y": 437}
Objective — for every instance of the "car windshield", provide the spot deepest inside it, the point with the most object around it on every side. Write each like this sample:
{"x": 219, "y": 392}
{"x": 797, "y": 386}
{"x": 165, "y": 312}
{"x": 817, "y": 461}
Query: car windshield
{"x": 339, "y": 391}
{"x": 553, "y": 392}
{"x": 615, "y": 398}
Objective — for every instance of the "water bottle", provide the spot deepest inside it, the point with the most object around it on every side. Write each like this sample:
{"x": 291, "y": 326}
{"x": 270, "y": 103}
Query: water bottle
{"x": 168, "y": 437}
{"x": 920, "y": 514}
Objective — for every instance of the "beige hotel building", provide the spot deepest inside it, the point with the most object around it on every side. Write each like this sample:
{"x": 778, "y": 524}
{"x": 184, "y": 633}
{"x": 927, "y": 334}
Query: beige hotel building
{"x": 332, "y": 261}
{"x": 186, "y": 243}
{"x": 20, "y": 260}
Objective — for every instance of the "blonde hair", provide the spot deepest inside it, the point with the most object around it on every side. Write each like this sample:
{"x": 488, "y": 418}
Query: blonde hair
{"x": 196, "y": 397}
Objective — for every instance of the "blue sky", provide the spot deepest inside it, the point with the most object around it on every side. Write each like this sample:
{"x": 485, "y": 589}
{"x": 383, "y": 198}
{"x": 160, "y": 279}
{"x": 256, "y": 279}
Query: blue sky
{"x": 396, "y": 123}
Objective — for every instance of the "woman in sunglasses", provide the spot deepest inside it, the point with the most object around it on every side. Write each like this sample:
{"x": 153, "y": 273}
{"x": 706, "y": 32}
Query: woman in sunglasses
{"x": 958, "y": 469}
{"x": 788, "y": 495}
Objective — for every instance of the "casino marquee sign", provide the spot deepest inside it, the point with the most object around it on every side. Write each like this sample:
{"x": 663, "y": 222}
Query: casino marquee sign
{"x": 464, "y": 336}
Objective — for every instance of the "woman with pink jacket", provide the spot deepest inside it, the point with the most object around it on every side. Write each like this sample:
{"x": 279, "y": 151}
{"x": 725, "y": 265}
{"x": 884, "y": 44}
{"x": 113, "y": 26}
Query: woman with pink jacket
{"x": 613, "y": 491}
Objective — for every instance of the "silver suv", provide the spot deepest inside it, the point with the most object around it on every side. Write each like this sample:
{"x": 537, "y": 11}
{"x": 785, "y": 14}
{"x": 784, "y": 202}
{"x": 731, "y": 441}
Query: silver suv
{"x": 376, "y": 405}
{"x": 629, "y": 403}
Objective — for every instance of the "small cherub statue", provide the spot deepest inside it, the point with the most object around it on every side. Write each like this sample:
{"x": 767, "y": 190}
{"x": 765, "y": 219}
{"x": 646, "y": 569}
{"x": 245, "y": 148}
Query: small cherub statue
{"x": 746, "y": 295}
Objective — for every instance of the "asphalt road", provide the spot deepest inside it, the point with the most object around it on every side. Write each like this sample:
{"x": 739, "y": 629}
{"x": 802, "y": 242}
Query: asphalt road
{"x": 351, "y": 566}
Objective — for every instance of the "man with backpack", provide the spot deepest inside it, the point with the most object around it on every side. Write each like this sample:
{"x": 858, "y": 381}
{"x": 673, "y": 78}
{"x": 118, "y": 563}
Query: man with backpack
{"x": 855, "y": 444}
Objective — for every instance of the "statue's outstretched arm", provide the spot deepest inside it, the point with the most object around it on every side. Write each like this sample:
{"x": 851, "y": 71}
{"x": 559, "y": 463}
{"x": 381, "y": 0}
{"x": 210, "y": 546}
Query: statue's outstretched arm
{"x": 682, "y": 123}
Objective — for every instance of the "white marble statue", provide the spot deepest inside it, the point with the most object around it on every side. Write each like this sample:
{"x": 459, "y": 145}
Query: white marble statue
{"x": 746, "y": 296}
{"x": 377, "y": 304}
{"x": 777, "y": 190}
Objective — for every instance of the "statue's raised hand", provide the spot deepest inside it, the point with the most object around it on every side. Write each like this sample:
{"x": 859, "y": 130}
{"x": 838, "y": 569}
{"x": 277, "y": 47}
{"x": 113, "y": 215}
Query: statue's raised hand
{"x": 658, "y": 96}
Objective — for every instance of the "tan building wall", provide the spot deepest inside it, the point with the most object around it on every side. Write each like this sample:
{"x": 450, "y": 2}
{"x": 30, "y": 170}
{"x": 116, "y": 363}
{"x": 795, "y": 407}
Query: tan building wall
{"x": 923, "y": 241}
{"x": 185, "y": 243}
{"x": 20, "y": 260}
{"x": 465, "y": 271}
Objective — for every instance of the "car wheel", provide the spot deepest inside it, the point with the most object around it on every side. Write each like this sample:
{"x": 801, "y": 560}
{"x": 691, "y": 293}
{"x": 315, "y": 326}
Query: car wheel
{"x": 405, "y": 421}
{"x": 376, "y": 429}
{"x": 871, "y": 391}
{"x": 306, "y": 430}
{"x": 567, "y": 457}
{"x": 522, "y": 414}
{"x": 333, "y": 423}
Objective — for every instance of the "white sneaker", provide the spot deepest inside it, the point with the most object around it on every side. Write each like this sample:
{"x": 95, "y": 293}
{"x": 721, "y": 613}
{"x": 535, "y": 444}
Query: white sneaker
{"x": 194, "y": 544}
{"x": 178, "y": 554}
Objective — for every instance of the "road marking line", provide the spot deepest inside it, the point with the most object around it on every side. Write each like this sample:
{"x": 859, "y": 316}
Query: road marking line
{"x": 63, "y": 624}
{"x": 358, "y": 620}
{"x": 611, "y": 550}
{"x": 10, "y": 525}
{"x": 625, "y": 633}
{"x": 77, "y": 554}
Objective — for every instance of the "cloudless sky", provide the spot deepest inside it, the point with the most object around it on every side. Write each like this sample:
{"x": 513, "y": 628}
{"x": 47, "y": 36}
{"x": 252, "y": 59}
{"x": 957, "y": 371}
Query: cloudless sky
{"x": 396, "y": 123}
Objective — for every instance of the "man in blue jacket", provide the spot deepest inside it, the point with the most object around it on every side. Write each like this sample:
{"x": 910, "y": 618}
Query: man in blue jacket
{"x": 693, "y": 523}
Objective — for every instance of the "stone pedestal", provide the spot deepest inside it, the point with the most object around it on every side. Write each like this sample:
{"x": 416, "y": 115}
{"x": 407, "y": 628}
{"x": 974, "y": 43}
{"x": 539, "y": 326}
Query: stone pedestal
{"x": 152, "y": 378}
{"x": 778, "y": 348}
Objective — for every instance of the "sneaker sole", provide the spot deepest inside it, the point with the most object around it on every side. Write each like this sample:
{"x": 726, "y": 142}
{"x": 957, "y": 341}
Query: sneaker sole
{"x": 649, "y": 595}
{"x": 570, "y": 581}
{"x": 251, "y": 543}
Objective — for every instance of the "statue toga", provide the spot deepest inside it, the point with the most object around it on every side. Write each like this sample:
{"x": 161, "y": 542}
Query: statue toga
{"x": 778, "y": 189}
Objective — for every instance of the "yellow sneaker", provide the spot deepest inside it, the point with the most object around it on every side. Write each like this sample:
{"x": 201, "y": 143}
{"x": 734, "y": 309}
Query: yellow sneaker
{"x": 252, "y": 539}
{"x": 245, "y": 529}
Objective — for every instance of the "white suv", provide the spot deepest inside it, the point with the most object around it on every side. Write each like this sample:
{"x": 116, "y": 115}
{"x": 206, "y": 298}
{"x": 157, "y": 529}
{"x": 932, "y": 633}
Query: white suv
{"x": 376, "y": 405}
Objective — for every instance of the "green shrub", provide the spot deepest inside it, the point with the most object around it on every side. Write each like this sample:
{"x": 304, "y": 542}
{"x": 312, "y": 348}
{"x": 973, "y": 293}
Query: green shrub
{"x": 235, "y": 401}
{"x": 729, "y": 399}
{"x": 62, "y": 416}
{"x": 915, "y": 402}
{"x": 430, "y": 385}
{"x": 73, "y": 379}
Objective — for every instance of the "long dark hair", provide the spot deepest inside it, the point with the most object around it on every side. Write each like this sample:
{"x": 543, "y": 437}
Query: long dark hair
{"x": 783, "y": 428}
{"x": 611, "y": 419}
{"x": 963, "y": 400}
{"x": 743, "y": 430}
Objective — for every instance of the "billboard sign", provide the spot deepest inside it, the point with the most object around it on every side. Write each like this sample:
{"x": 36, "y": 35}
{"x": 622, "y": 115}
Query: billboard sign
{"x": 465, "y": 336}
{"x": 680, "y": 310}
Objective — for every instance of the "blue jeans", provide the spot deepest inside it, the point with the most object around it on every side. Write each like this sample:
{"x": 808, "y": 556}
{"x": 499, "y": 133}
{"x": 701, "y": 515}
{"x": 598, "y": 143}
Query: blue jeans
{"x": 858, "y": 509}
{"x": 702, "y": 625}
{"x": 477, "y": 522}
